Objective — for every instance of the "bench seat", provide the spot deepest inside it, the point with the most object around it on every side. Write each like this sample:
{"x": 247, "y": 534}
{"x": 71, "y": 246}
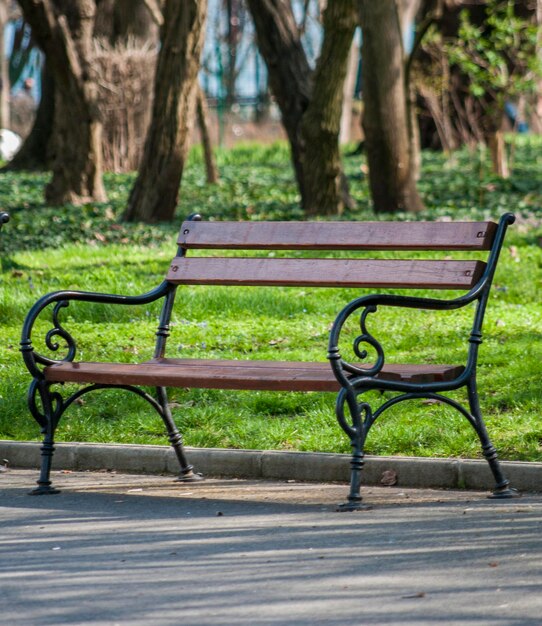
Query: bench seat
{"x": 222, "y": 374}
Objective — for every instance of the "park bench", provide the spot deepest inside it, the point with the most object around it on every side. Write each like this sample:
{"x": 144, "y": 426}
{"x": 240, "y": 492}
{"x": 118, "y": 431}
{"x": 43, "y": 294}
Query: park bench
{"x": 333, "y": 264}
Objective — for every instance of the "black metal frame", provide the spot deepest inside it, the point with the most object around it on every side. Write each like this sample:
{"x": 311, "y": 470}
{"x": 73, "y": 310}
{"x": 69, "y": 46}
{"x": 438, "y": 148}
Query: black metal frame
{"x": 4, "y": 217}
{"x": 51, "y": 405}
{"x": 356, "y": 381}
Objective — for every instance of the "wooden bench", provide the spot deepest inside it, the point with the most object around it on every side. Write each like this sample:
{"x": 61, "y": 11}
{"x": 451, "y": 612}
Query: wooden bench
{"x": 350, "y": 380}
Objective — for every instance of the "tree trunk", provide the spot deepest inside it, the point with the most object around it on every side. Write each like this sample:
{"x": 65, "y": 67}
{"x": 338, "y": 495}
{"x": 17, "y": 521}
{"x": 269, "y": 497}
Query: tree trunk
{"x": 132, "y": 19}
{"x": 321, "y": 123}
{"x": 155, "y": 192}
{"x": 407, "y": 10}
{"x": 233, "y": 37}
{"x": 345, "y": 134}
{"x": 203, "y": 123}
{"x": 34, "y": 154}
{"x": 290, "y": 76}
{"x": 499, "y": 157}
{"x": 121, "y": 20}
{"x": 310, "y": 102}
{"x": 65, "y": 36}
{"x": 385, "y": 117}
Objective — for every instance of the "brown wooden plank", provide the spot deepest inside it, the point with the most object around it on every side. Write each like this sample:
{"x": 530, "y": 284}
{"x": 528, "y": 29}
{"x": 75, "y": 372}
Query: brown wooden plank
{"x": 338, "y": 235}
{"x": 381, "y": 273}
{"x": 216, "y": 374}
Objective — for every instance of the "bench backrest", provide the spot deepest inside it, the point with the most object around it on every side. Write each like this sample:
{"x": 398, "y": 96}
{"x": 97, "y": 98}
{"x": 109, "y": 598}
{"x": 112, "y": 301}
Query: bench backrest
{"x": 333, "y": 272}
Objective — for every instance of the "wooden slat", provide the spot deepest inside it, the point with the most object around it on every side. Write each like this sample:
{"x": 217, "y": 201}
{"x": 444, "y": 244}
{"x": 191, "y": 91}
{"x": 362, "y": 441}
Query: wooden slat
{"x": 250, "y": 375}
{"x": 338, "y": 235}
{"x": 387, "y": 273}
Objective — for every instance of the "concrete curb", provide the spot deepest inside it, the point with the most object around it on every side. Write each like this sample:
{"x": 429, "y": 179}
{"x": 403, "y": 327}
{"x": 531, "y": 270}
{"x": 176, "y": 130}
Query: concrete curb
{"x": 276, "y": 465}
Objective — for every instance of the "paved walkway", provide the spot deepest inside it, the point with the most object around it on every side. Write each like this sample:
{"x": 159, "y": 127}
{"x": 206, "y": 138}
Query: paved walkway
{"x": 143, "y": 550}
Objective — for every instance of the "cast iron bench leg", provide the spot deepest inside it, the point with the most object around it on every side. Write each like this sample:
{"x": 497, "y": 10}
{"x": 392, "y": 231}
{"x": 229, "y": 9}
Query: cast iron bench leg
{"x": 187, "y": 473}
{"x": 502, "y": 484}
{"x": 358, "y": 434}
{"x": 47, "y": 448}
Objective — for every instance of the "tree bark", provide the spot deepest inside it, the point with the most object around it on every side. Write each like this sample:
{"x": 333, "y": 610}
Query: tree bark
{"x": 203, "y": 123}
{"x": 155, "y": 192}
{"x": 325, "y": 190}
{"x": 34, "y": 154}
{"x": 310, "y": 102}
{"x": 345, "y": 134}
{"x": 232, "y": 40}
{"x": 132, "y": 18}
{"x": 385, "y": 115}
{"x": 65, "y": 36}
{"x": 290, "y": 76}
{"x": 499, "y": 157}
{"x": 121, "y": 20}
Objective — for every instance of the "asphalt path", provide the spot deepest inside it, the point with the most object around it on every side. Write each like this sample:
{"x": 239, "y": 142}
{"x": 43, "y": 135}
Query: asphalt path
{"x": 144, "y": 550}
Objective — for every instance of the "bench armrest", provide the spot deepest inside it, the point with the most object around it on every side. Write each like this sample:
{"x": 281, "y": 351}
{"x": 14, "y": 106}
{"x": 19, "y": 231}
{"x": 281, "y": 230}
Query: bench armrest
{"x": 344, "y": 371}
{"x": 60, "y": 300}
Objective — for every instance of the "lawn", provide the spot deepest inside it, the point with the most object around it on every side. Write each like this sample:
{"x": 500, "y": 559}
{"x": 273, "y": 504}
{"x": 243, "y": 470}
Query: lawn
{"x": 45, "y": 248}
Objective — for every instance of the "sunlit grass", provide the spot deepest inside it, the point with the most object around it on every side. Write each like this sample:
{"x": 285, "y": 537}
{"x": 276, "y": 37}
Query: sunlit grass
{"x": 47, "y": 248}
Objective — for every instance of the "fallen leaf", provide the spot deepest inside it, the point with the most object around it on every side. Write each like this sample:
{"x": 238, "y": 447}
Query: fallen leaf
{"x": 389, "y": 478}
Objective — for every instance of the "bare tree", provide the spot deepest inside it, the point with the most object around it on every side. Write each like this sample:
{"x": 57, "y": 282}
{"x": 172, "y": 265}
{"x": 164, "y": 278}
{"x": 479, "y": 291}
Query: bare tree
{"x": 63, "y": 30}
{"x": 386, "y": 119}
{"x": 349, "y": 93}
{"x": 203, "y": 123}
{"x": 310, "y": 101}
{"x": 326, "y": 186}
{"x": 121, "y": 20}
{"x": 35, "y": 153}
{"x": 155, "y": 192}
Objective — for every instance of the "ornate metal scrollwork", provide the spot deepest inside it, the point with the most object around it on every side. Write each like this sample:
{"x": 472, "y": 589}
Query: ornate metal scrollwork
{"x": 54, "y": 398}
{"x": 361, "y": 414}
{"x": 361, "y": 353}
{"x": 60, "y": 331}
{"x": 51, "y": 340}
{"x": 59, "y": 404}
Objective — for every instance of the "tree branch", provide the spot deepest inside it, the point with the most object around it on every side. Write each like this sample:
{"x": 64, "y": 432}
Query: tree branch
{"x": 433, "y": 11}
{"x": 155, "y": 10}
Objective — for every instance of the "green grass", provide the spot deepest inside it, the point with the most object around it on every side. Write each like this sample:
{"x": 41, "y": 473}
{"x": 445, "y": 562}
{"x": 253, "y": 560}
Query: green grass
{"x": 45, "y": 248}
